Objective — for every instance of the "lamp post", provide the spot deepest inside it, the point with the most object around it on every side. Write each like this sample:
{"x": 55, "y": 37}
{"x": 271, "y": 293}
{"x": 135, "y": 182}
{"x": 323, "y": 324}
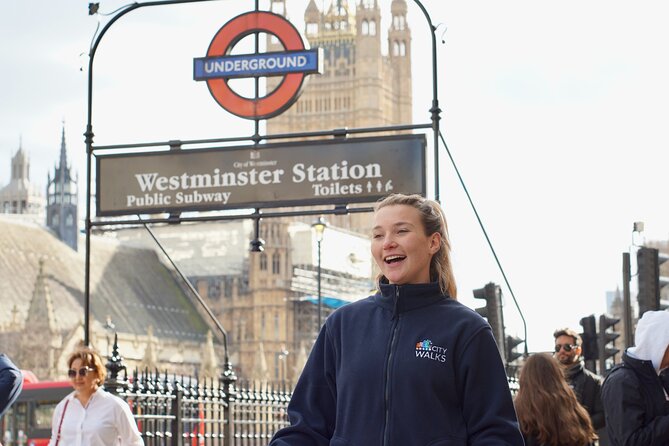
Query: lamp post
{"x": 319, "y": 226}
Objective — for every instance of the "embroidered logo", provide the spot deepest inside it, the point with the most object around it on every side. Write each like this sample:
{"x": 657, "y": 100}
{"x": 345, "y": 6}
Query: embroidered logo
{"x": 426, "y": 349}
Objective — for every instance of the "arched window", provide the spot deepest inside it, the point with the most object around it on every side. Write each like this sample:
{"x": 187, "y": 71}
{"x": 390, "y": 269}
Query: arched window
{"x": 242, "y": 330}
{"x": 69, "y": 221}
{"x": 365, "y": 27}
{"x": 214, "y": 289}
{"x": 403, "y": 49}
{"x": 55, "y": 220}
{"x": 372, "y": 27}
{"x": 263, "y": 261}
{"x": 396, "y": 48}
{"x": 276, "y": 263}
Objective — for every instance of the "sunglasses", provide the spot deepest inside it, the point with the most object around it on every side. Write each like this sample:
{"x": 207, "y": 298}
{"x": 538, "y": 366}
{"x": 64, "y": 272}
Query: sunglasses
{"x": 82, "y": 372}
{"x": 566, "y": 347}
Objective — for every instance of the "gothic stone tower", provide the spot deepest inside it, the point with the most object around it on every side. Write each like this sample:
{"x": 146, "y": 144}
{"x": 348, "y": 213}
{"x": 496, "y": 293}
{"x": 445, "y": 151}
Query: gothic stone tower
{"x": 360, "y": 86}
{"x": 258, "y": 316}
{"x": 62, "y": 199}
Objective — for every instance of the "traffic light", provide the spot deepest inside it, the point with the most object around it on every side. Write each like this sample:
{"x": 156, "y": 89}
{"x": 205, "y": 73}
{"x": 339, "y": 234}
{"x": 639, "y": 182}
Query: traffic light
{"x": 511, "y": 343}
{"x": 590, "y": 350}
{"x": 493, "y": 312}
{"x": 650, "y": 283}
{"x": 648, "y": 267}
{"x": 606, "y": 336}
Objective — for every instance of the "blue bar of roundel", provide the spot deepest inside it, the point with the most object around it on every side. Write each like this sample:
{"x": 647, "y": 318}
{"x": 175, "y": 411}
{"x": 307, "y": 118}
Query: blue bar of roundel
{"x": 242, "y": 65}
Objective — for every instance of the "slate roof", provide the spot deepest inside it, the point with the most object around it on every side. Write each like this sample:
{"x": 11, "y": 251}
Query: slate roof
{"x": 129, "y": 284}
{"x": 199, "y": 249}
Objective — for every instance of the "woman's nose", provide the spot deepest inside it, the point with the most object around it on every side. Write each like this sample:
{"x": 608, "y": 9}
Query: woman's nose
{"x": 388, "y": 242}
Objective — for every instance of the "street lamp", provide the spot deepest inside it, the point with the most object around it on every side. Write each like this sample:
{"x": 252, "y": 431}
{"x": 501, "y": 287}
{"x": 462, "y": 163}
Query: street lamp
{"x": 319, "y": 226}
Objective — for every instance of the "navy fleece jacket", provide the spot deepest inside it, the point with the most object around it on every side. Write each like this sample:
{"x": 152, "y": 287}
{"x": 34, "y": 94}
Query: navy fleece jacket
{"x": 407, "y": 366}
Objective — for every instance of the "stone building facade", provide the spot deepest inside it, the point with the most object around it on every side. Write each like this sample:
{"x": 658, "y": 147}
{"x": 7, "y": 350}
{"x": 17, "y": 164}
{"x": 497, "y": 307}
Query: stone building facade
{"x": 266, "y": 301}
{"x": 132, "y": 294}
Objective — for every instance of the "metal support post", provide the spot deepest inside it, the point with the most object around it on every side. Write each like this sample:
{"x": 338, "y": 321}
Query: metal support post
{"x": 627, "y": 304}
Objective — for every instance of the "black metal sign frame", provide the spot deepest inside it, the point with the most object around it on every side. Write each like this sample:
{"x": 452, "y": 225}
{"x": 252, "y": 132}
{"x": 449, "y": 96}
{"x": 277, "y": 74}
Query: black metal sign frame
{"x": 228, "y": 374}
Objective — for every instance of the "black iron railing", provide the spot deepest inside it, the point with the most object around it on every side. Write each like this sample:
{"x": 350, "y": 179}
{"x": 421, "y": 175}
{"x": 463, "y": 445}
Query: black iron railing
{"x": 173, "y": 410}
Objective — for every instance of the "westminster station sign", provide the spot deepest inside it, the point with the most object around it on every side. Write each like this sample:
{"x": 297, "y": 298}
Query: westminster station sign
{"x": 355, "y": 170}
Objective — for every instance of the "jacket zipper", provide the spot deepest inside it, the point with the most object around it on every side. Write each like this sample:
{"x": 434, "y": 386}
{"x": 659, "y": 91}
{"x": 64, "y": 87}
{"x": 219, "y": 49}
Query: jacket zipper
{"x": 393, "y": 341}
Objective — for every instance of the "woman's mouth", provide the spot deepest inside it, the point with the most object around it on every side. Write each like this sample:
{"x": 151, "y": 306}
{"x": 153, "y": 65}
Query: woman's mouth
{"x": 394, "y": 259}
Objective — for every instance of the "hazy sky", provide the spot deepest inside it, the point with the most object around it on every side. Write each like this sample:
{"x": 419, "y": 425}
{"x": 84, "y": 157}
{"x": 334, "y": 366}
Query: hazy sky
{"x": 556, "y": 113}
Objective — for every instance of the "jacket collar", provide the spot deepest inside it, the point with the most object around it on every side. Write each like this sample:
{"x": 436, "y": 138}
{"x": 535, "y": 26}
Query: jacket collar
{"x": 641, "y": 366}
{"x": 402, "y": 298}
{"x": 575, "y": 369}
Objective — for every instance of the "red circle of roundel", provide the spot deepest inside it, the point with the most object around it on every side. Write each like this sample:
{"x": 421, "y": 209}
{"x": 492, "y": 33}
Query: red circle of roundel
{"x": 222, "y": 43}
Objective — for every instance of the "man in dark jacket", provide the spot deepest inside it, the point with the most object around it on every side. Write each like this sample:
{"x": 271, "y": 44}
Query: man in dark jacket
{"x": 587, "y": 385}
{"x": 11, "y": 382}
{"x": 636, "y": 392}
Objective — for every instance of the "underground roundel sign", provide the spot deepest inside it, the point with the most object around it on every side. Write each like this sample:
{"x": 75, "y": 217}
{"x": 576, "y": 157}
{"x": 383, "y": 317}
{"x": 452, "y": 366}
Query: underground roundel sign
{"x": 220, "y": 65}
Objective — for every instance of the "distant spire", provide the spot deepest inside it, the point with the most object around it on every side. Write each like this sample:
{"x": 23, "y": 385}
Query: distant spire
{"x": 20, "y": 164}
{"x": 63, "y": 149}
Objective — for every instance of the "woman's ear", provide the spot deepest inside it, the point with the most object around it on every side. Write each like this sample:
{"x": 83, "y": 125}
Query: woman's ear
{"x": 435, "y": 243}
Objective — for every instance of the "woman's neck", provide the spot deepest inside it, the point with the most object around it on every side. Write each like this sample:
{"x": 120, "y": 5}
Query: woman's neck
{"x": 85, "y": 395}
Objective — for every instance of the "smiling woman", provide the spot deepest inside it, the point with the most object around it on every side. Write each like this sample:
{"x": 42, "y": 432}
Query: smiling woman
{"x": 409, "y": 365}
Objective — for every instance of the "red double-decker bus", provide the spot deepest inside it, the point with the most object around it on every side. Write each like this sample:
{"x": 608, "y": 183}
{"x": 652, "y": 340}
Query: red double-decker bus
{"x": 28, "y": 421}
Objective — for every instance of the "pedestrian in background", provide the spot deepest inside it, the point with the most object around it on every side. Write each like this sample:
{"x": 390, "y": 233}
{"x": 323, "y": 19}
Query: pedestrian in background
{"x": 90, "y": 416}
{"x": 636, "y": 391}
{"x": 547, "y": 408}
{"x": 11, "y": 382}
{"x": 586, "y": 384}
{"x": 408, "y": 365}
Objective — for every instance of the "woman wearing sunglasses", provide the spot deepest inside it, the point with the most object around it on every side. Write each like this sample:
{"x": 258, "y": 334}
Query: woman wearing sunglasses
{"x": 89, "y": 416}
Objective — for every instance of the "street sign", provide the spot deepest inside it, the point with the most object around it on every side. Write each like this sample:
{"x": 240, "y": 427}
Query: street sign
{"x": 358, "y": 170}
{"x": 293, "y": 64}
